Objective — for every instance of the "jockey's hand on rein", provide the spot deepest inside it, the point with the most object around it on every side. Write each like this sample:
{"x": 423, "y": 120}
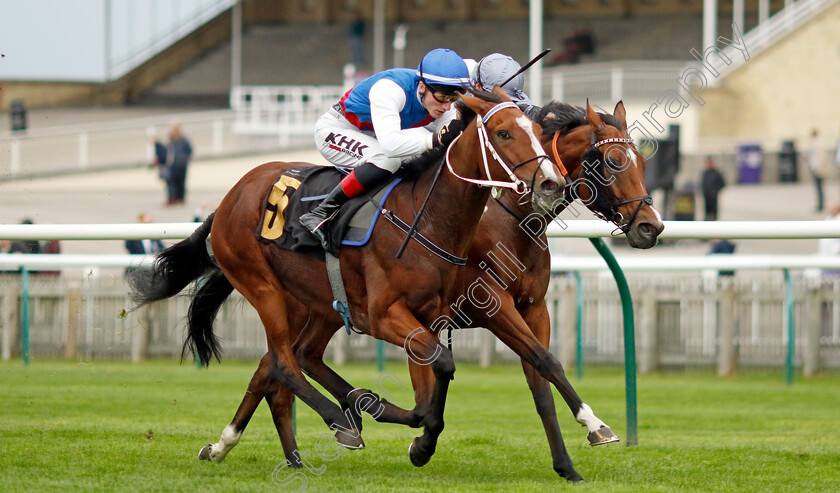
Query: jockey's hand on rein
{"x": 447, "y": 134}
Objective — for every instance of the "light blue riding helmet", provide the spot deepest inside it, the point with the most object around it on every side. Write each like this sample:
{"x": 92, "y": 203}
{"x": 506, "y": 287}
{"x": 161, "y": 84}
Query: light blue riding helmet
{"x": 444, "y": 71}
{"x": 496, "y": 68}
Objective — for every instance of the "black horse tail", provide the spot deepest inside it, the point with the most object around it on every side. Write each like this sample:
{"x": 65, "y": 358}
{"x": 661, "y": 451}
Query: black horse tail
{"x": 174, "y": 268}
{"x": 201, "y": 341}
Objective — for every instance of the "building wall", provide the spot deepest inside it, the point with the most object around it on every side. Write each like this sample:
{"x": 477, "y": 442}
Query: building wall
{"x": 783, "y": 92}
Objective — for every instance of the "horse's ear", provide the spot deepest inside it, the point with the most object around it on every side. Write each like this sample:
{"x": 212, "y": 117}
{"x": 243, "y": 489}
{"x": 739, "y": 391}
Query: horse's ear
{"x": 594, "y": 118}
{"x": 479, "y": 106}
{"x": 498, "y": 91}
{"x": 621, "y": 114}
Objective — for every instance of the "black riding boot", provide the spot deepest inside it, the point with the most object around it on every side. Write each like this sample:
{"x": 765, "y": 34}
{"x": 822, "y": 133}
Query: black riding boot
{"x": 316, "y": 221}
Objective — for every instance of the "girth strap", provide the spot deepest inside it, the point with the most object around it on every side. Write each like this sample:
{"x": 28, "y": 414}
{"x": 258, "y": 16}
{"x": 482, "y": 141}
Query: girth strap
{"x": 427, "y": 243}
{"x": 337, "y": 284}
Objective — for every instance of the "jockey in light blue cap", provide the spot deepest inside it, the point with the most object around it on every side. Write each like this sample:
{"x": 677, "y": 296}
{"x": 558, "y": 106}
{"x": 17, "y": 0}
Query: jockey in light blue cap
{"x": 386, "y": 118}
{"x": 496, "y": 68}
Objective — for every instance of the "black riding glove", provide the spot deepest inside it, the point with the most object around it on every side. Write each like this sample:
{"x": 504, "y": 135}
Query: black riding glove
{"x": 448, "y": 133}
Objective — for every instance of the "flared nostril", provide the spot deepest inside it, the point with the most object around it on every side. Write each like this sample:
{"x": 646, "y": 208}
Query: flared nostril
{"x": 648, "y": 230}
{"x": 549, "y": 187}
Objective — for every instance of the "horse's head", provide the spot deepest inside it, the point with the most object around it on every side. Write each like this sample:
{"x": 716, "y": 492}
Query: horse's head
{"x": 605, "y": 169}
{"x": 506, "y": 144}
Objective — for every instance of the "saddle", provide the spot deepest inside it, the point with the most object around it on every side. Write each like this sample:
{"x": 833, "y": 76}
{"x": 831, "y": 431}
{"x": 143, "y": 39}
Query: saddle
{"x": 297, "y": 191}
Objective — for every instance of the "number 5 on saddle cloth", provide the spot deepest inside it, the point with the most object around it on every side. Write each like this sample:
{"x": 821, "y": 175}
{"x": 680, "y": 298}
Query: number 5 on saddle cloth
{"x": 298, "y": 191}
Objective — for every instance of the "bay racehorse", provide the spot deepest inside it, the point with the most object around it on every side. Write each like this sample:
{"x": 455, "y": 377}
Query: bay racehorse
{"x": 389, "y": 298}
{"x": 605, "y": 171}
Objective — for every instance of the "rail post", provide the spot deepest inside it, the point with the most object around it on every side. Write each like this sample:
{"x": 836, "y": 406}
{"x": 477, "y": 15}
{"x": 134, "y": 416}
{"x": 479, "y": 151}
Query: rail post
{"x": 629, "y": 339}
{"x": 24, "y": 309}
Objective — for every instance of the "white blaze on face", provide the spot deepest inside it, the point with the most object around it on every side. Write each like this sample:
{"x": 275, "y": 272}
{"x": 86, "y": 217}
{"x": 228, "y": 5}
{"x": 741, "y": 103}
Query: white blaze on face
{"x": 658, "y": 217}
{"x": 545, "y": 164}
{"x": 587, "y": 418}
{"x": 632, "y": 156}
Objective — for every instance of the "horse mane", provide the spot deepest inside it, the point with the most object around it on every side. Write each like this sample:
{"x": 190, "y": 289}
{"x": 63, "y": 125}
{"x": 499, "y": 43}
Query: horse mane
{"x": 565, "y": 118}
{"x": 412, "y": 168}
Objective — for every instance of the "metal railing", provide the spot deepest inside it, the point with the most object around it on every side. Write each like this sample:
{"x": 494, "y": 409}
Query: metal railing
{"x": 770, "y": 31}
{"x": 282, "y": 111}
{"x": 681, "y": 319}
{"x": 610, "y": 82}
{"x": 263, "y": 119}
{"x": 690, "y": 312}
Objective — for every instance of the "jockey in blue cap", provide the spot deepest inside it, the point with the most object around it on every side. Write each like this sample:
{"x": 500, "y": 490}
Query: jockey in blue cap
{"x": 386, "y": 118}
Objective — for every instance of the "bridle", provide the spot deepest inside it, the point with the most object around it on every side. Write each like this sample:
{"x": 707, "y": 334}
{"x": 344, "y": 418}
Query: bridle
{"x": 609, "y": 211}
{"x": 486, "y": 143}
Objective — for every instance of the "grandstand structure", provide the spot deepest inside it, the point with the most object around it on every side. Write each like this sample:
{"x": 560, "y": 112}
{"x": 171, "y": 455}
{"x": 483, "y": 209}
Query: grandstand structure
{"x": 653, "y": 54}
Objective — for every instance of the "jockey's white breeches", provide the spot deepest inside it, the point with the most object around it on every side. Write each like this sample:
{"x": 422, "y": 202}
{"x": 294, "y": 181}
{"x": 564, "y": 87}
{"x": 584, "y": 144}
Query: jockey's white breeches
{"x": 343, "y": 144}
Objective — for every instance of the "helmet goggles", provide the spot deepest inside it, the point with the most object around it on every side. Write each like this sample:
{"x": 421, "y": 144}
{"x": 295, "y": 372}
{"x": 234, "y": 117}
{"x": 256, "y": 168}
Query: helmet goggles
{"x": 444, "y": 94}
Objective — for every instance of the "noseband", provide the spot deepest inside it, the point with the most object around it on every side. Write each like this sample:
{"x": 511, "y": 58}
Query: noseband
{"x": 486, "y": 144}
{"x": 609, "y": 212}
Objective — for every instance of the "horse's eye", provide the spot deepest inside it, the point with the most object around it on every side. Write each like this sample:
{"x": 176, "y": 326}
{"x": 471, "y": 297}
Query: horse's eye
{"x": 503, "y": 134}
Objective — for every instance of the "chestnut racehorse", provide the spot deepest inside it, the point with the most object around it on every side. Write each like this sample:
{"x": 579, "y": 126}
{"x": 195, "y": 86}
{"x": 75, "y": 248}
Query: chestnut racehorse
{"x": 611, "y": 183}
{"x": 389, "y": 298}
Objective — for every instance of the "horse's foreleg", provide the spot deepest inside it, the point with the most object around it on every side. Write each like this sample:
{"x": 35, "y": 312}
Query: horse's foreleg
{"x": 509, "y": 326}
{"x": 399, "y": 327}
{"x": 544, "y": 400}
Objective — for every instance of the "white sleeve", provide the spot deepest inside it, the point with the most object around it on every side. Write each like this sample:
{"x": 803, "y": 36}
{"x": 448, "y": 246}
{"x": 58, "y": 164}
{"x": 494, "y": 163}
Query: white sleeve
{"x": 387, "y": 99}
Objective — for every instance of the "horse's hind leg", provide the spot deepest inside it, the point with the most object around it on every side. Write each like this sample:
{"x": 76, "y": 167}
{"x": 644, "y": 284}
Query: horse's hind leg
{"x": 280, "y": 401}
{"x": 309, "y": 351}
{"x": 250, "y": 274}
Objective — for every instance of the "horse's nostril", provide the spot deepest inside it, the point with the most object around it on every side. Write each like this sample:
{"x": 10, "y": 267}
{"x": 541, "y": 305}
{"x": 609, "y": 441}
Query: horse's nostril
{"x": 548, "y": 187}
{"x": 648, "y": 230}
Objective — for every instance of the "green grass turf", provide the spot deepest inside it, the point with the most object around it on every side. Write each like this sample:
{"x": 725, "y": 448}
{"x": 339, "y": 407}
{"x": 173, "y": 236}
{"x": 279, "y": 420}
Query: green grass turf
{"x": 113, "y": 426}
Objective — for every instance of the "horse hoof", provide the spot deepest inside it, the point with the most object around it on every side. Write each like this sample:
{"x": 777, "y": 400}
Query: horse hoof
{"x": 601, "y": 436}
{"x": 415, "y": 457}
{"x": 350, "y": 441}
{"x": 204, "y": 453}
{"x": 573, "y": 477}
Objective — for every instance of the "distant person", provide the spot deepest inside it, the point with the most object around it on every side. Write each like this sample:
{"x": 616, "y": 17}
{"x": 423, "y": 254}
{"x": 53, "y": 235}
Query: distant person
{"x": 711, "y": 183}
{"x": 722, "y": 247}
{"x": 837, "y": 154}
{"x": 817, "y": 165}
{"x": 357, "y": 36}
{"x": 172, "y": 159}
{"x": 143, "y": 247}
{"x": 25, "y": 246}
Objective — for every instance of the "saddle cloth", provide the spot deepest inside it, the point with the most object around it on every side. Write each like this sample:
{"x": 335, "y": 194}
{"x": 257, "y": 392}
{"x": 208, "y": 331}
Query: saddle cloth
{"x": 297, "y": 191}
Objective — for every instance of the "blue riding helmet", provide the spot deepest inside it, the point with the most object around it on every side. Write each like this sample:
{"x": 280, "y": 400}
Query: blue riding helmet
{"x": 444, "y": 71}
